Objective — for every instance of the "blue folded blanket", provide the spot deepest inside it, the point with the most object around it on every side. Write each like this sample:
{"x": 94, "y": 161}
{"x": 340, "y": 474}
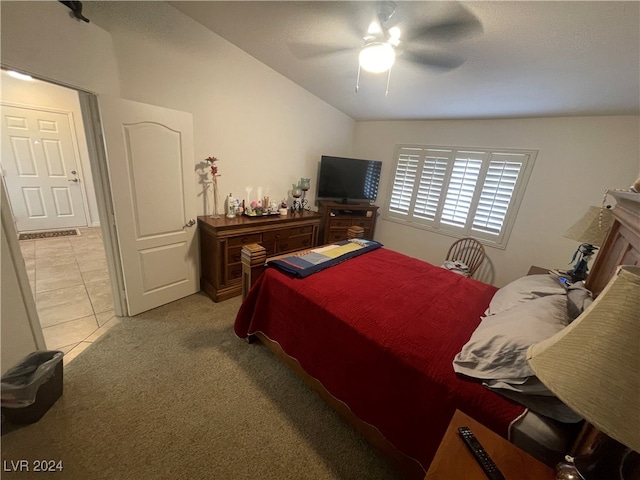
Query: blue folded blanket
{"x": 308, "y": 262}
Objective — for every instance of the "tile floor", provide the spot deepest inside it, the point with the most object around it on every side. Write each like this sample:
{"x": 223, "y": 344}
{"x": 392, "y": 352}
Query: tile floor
{"x": 70, "y": 283}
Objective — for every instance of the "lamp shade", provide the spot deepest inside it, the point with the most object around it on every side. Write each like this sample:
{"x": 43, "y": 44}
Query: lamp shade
{"x": 593, "y": 365}
{"x": 592, "y": 228}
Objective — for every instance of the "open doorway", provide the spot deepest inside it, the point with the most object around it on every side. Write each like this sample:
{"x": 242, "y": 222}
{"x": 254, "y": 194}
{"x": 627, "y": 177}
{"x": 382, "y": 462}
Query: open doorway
{"x": 68, "y": 274}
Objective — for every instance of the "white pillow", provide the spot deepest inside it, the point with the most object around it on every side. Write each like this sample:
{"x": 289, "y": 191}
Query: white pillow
{"x": 497, "y": 349}
{"x": 524, "y": 289}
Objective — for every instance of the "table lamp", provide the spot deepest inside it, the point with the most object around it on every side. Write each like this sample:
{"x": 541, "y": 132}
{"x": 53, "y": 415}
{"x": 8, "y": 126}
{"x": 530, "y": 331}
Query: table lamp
{"x": 590, "y": 231}
{"x": 593, "y": 366}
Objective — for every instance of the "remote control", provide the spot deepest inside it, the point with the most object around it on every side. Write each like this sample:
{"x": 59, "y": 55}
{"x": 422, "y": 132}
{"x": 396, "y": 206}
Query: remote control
{"x": 481, "y": 455}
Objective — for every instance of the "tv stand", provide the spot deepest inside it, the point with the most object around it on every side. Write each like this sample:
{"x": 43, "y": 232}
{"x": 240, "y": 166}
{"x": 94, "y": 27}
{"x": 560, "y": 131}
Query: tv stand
{"x": 337, "y": 217}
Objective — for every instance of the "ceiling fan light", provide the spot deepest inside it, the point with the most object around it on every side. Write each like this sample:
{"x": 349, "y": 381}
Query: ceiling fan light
{"x": 374, "y": 28}
{"x": 377, "y": 57}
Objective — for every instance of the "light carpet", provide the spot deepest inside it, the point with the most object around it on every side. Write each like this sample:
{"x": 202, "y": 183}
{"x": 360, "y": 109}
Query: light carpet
{"x": 174, "y": 394}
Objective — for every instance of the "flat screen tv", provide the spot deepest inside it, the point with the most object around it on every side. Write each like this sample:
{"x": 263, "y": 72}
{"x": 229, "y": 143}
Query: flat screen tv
{"x": 348, "y": 180}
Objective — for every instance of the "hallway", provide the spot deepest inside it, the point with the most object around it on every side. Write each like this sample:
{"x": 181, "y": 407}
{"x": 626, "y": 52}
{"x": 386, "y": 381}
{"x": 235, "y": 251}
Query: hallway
{"x": 70, "y": 283}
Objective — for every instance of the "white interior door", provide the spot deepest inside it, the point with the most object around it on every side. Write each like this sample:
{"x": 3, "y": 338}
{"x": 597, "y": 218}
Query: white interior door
{"x": 40, "y": 166}
{"x": 151, "y": 170}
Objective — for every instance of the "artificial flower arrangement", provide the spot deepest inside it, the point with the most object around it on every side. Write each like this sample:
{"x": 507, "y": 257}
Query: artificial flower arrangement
{"x": 214, "y": 168}
{"x": 256, "y": 207}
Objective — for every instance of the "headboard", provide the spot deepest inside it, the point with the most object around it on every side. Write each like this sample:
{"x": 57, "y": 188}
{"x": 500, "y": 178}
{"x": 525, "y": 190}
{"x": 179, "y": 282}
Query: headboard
{"x": 622, "y": 245}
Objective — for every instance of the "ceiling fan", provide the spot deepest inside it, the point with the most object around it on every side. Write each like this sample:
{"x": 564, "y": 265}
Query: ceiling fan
{"x": 385, "y": 40}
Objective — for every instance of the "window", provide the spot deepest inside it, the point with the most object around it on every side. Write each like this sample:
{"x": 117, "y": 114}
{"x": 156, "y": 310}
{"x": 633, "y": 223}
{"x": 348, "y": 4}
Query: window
{"x": 460, "y": 191}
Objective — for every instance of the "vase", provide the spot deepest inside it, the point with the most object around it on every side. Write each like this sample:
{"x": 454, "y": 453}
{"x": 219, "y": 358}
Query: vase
{"x": 216, "y": 201}
{"x": 231, "y": 206}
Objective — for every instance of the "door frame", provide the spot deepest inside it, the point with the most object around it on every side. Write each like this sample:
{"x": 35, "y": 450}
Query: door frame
{"x": 99, "y": 174}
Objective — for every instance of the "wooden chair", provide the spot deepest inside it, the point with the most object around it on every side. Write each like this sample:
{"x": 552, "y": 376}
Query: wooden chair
{"x": 468, "y": 251}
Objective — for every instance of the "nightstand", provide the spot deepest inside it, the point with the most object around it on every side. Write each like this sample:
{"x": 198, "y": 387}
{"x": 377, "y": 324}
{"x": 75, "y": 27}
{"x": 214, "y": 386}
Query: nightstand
{"x": 453, "y": 461}
{"x": 535, "y": 270}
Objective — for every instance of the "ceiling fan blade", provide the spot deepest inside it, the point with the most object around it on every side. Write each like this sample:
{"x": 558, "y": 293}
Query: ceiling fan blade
{"x": 309, "y": 51}
{"x": 462, "y": 24}
{"x": 442, "y": 61}
{"x": 386, "y": 10}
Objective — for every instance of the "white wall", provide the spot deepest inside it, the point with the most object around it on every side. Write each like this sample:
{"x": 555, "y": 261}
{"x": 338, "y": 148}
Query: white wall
{"x": 267, "y": 131}
{"x": 579, "y": 158}
{"x": 40, "y": 94}
{"x": 40, "y": 38}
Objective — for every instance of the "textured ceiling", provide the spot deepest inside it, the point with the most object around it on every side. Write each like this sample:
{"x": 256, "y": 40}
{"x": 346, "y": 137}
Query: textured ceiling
{"x": 522, "y": 59}
{"x": 531, "y": 58}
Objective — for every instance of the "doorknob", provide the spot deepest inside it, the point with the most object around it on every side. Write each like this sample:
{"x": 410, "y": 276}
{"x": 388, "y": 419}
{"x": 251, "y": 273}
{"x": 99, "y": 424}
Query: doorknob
{"x": 73, "y": 180}
{"x": 190, "y": 223}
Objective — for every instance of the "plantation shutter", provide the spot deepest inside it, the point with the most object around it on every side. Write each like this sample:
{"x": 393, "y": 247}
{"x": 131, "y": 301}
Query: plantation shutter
{"x": 461, "y": 188}
{"x": 432, "y": 180}
{"x": 497, "y": 192}
{"x": 461, "y": 192}
{"x": 404, "y": 181}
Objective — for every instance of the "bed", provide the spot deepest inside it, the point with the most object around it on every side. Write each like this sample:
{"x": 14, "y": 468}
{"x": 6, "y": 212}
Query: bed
{"x": 378, "y": 342}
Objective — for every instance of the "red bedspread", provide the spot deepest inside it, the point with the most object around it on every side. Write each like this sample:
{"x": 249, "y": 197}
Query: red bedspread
{"x": 380, "y": 332}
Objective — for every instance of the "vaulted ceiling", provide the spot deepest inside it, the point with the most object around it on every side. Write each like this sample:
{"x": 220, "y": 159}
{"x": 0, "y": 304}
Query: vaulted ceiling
{"x": 519, "y": 59}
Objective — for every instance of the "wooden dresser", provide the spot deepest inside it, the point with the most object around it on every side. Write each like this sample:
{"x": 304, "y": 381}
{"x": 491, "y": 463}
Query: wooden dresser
{"x": 338, "y": 217}
{"x": 222, "y": 239}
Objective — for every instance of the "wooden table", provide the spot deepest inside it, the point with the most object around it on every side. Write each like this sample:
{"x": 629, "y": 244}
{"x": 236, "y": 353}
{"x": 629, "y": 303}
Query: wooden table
{"x": 454, "y": 461}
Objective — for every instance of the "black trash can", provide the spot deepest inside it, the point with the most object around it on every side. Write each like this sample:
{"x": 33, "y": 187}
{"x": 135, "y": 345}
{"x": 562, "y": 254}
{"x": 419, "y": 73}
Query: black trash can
{"x": 30, "y": 388}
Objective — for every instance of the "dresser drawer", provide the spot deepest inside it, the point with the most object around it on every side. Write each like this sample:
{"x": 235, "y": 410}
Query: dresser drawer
{"x": 340, "y": 222}
{"x": 294, "y": 243}
{"x": 245, "y": 239}
{"x": 234, "y": 254}
{"x": 362, "y": 222}
{"x": 234, "y": 272}
{"x": 286, "y": 233}
{"x": 336, "y": 235}
{"x": 270, "y": 247}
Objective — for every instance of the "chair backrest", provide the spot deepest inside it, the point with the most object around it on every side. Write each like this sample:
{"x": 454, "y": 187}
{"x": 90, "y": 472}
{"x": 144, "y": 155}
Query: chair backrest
{"x": 468, "y": 251}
